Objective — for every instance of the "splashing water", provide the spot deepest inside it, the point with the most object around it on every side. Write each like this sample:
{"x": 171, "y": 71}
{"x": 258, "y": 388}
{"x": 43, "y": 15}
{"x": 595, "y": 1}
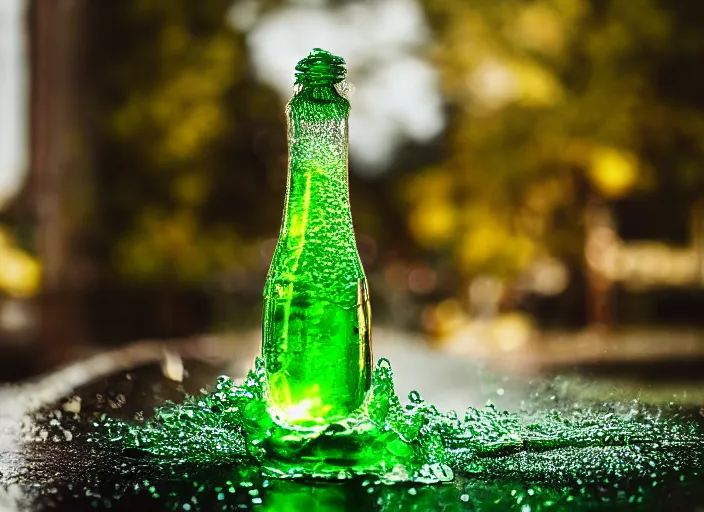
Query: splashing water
{"x": 394, "y": 443}
{"x": 221, "y": 450}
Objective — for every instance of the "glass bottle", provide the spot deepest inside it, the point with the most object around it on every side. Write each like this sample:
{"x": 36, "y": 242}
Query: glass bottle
{"x": 316, "y": 329}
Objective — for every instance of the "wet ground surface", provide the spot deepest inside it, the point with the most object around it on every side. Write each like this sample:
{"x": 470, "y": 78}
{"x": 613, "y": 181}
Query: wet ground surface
{"x": 48, "y": 463}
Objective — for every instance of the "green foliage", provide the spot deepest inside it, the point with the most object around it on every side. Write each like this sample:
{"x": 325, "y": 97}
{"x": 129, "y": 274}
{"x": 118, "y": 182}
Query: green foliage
{"x": 552, "y": 101}
{"x": 176, "y": 111}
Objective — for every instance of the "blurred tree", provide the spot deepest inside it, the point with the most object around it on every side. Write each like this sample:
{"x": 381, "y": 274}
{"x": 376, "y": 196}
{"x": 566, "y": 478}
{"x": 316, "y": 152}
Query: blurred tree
{"x": 555, "y": 101}
{"x": 48, "y": 216}
{"x": 189, "y": 149}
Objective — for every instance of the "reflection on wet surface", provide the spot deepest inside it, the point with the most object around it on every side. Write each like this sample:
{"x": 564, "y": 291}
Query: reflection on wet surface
{"x": 48, "y": 463}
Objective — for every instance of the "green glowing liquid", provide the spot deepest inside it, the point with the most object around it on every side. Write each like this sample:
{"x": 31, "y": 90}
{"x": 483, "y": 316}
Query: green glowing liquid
{"x": 316, "y": 328}
{"x": 322, "y": 373}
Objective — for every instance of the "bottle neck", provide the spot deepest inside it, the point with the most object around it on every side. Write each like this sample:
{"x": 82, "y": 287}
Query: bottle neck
{"x": 317, "y": 199}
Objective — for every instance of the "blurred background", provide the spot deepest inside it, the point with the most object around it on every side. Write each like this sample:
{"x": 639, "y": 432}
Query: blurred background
{"x": 526, "y": 175}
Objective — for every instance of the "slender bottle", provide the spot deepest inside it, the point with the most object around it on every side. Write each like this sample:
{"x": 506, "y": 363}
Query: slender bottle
{"x": 316, "y": 329}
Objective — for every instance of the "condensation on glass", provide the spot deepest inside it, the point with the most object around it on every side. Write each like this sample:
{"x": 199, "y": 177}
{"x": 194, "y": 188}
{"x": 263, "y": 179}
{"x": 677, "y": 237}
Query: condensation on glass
{"x": 316, "y": 328}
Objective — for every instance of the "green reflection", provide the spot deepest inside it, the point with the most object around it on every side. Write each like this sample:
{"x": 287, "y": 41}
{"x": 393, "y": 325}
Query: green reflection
{"x": 287, "y": 496}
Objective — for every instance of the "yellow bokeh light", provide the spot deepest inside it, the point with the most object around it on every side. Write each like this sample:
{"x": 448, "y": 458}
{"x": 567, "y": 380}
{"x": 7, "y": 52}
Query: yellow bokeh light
{"x": 433, "y": 219}
{"x": 490, "y": 246}
{"x": 20, "y": 273}
{"x": 433, "y": 222}
{"x": 612, "y": 171}
{"x": 538, "y": 87}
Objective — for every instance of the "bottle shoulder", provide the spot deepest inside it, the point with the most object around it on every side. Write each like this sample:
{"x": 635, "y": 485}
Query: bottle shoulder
{"x": 320, "y": 269}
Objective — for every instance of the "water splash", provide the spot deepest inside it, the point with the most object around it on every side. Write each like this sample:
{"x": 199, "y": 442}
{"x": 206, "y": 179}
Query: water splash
{"x": 201, "y": 454}
{"x": 414, "y": 443}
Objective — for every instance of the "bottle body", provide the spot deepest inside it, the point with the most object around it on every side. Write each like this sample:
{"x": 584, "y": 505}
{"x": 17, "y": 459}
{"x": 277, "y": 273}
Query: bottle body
{"x": 316, "y": 329}
{"x": 318, "y": 373}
